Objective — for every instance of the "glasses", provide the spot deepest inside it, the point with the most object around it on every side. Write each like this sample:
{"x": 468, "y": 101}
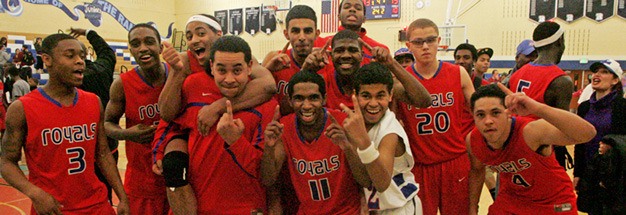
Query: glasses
{"x": 429, "y": 40}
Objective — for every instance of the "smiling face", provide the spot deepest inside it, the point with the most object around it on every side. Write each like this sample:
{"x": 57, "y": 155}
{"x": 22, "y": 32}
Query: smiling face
{"x": 374, "y": 101}
{"x": 603, "y": 80}
{"x": 145, "y": 48}
{"x": 464, "y": 58}
{"x": 491, "y": 119}
{"x": 346, "y": 56}
{"x": 301, "y": 34}
{"x": 352, "y": 14}
{"x": 308, "y": 103}
{"x": 199, "y": 40}
{"x": 67, "y": 62}
{"x": 231, "y": 73}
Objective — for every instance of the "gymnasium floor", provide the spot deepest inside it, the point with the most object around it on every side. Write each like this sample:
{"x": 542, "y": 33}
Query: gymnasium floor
{"x": 13, "y": 202}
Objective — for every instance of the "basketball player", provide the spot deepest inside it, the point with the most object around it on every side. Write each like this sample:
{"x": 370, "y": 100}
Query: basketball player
{"x": 346, "y": 58}
{"x": 61, "y": 131}
{"x": 224, "y": 165}
{"x": 322, "y": 164}
{"x": 543, "y": 80}
{"x": 436, "y": 133}
{"x": 135, "y": 94}
{"x": 532, "y": 182}
{"x": 381, "y": 143}
{"x": 301, "y": 33}
{"x": 352, "y": 16}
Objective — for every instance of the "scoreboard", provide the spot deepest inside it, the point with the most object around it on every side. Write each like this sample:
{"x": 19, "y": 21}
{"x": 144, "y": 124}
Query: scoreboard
{"x": 382, "y": 9}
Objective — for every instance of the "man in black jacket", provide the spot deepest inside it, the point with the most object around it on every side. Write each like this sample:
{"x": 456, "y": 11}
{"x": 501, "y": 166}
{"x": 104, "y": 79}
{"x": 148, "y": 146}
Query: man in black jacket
{"x": 97, "y": 79}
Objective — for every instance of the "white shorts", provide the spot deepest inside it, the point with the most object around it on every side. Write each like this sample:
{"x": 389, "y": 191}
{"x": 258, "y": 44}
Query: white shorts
{"x": 410, "y": 208}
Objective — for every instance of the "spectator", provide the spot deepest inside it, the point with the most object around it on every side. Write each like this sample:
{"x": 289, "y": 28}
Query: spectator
{"x": 606, "y": 111}
{"x": 483, "y": 62}
{"x": 26, "y": 73}
{"x": 4, "y": 57}
{"x": 18, "y": 57}
{"x": 3, "y": 41}
{"x": 20, "y": 86}
{"x": 525, "y": 54}
{"x": 27, "y": 59}
{"x": 39, "y": 62}
{"x": 404, "y": 57}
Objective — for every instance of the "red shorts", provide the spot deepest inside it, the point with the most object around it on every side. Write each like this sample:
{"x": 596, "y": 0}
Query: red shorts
{"x": 444, "y": 186}
{"x": 506, "y": 204}
{"x": 157, "y": 205}
{"x": 103, "y": 208}
{"x": 164, "y": 133}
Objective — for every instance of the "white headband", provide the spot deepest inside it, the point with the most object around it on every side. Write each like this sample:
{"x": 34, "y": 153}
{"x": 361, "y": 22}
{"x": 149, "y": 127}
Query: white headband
{"x": 550, "y": 39}
{"x": 204, "y": 19}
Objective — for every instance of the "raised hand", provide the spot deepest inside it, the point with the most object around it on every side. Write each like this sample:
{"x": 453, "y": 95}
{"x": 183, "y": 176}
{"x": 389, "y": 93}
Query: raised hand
{"x": 171, "y": 56}
{"x": 280, "y": 61}
{"x": 77, "y": 32}
{"x": 44, "y": 203}
{"x": 141, "y": 133}
{"x": 230, "y": 129}
{"x": 519, "y": 103}
{"x": 274, "y": 129}
{"x": 379, "y": 54}
{"x": 318, "y": 58}
{"x": 336, "y": 133}
{"x": 354, "y": 125}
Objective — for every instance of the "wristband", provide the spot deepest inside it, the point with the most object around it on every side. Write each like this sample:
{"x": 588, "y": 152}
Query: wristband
{"x": 369, "y": 154}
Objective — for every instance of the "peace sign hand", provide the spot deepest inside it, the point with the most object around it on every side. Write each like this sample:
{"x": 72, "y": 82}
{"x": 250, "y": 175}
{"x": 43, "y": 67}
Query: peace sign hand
{"x": 318, "y": 58}
{"x": 274, "y": 129}
{"x": 280, "y": 61}
{"x": 354, "y": 125}
{"x": 230, "y": 129}
{"x": 336, "y": 133}
{"x": 519, "y": 103}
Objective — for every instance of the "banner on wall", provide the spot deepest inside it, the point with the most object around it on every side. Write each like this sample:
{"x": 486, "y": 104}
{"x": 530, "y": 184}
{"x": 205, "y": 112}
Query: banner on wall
{"x": 268, "y": 20}
{"x": 599, "y": 10}
{"x": 621, "y": 9}
{"x": 570, "y": 10}
{"x": 542, "y": 10}
{"x": 236, "y": 21}
{"x": 222, "y": 18}
{"x": 93, "y": 12}
{"x": 252, "y": 19}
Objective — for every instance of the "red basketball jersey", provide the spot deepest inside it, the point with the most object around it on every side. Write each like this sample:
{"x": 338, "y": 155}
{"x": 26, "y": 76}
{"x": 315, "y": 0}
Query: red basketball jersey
{"x": 141, "y": 108}
{"x": 319, "y": 171}
{"x": 367, "y": 54}
{"x": 60, "y": 148}
{"x": 532, "y": 180}
{"x": 282, "y": 77}
{"x": 436, "y": 132}
{"x": 334, "y": 93}
{"x": 225, "y": 179}
{"x": 534, "y": 79}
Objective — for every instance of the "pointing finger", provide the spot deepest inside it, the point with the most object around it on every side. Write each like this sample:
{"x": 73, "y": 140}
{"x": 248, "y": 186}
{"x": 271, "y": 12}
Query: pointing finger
{"x": 367, "y": 46}
{"x": 284, "y": 51}
{"x": 276, "y": 113}
{"x": 332, "y": 118}
{"x": 326, "y": 45}
{"x": 355, "y": 102}
{"x": 346, "y": 109}
{"x": 504, "y": 89}
{"x": 229, "y": 110}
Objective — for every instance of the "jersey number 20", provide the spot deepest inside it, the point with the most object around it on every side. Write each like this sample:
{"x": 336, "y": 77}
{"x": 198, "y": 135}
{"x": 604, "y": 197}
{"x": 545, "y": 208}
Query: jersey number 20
{"x": 440, "y": 122}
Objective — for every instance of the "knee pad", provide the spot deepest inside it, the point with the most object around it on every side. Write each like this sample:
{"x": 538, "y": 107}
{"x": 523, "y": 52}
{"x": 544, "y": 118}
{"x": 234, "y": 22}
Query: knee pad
{"x": 175, "y": 166}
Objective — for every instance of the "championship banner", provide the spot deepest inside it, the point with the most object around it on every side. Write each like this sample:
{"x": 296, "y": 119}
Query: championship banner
{"x": 236, "y": 21}
{"x": 93, "y": 12}
{"x": 252, "y": 19}
{"x": 570, "y": 10}
{"x": 542, "y": 10}
{"x": 268, "y": 20}
{"x": 599, "y": 10}
{"x": 222, "y": 18}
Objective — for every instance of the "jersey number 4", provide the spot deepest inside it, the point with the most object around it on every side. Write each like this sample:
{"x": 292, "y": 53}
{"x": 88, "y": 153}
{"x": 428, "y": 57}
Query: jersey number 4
{"x": 77, "y": 159}
{"x": 440, "y": 122}
{"x": 319, "y": 187}
{"x": 520, "y": 181}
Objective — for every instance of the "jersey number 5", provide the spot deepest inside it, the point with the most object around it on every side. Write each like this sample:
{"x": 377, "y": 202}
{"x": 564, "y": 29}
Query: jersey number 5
{"x": 318, "y": 187}
{"x": 522, "y": 85}
{"x": 441, "y": 123}
{"x": 78, "y": 160}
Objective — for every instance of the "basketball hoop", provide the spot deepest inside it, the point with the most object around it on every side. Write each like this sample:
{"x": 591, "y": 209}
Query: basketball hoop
{"x": 442, "y": 48}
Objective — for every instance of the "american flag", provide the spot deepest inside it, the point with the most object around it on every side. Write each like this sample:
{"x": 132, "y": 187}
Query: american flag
{"x": 330, "y": 21}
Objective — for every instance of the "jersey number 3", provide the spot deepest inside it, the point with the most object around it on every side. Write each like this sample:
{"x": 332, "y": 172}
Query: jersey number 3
{"x": 77, "y": 159}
